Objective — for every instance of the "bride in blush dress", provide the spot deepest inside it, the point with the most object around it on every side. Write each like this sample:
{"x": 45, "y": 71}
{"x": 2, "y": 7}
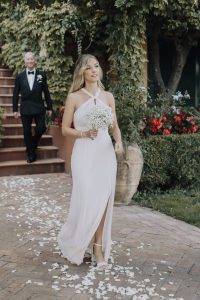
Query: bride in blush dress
{"x": 93, "y": 165}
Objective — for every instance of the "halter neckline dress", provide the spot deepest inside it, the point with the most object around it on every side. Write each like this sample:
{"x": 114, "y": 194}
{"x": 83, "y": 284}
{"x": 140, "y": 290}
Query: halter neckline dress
{"x": 94, "y": 166}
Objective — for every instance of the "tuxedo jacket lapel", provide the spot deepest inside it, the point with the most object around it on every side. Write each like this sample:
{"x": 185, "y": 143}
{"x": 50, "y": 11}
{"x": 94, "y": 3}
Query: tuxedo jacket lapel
{"x": 26, "y": 81}
{"x": 35, "y": 80}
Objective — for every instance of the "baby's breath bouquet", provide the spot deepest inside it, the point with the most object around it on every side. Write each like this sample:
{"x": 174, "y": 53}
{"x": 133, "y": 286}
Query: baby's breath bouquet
{"x": 100, "y": 117}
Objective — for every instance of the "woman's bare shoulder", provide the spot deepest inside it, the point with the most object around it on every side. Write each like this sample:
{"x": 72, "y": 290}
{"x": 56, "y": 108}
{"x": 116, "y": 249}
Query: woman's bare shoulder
{"x": 73, "y": 97}
{"x": 109, "y": 96}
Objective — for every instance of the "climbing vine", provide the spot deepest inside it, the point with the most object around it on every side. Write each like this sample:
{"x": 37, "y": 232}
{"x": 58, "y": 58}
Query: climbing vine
{"x": 124, "y": 42}
{"x": 127, "y": 63}
{"x": 59, "y": 32}
{"x": 43, "y": 31}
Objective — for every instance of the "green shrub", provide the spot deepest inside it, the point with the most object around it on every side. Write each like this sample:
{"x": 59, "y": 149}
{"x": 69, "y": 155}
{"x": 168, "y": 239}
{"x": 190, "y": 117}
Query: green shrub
{"x": 171, "y": 161}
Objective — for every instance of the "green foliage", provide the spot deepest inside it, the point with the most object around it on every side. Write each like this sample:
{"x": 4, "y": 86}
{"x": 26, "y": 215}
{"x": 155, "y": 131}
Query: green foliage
{"x": 121, "y": 38}
{"x": 180, "y": 204}
{"x": 157, "y": 153}
{"x": 130, "y": 108}
{"x": 43, "y": 31}
{"x": 175, "y": 17}
{"x": 177, "y": 23}
{"x": 117, "y": 28}
{"x": 127, "y": 69}
{"x": 171, "y": 161}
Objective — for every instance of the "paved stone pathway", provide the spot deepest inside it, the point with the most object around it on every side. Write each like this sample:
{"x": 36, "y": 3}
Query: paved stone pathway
{"x": 153, "y": 256}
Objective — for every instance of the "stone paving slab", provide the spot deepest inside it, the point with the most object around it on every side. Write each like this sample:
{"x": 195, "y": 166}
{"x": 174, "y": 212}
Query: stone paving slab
{"x": 153, "y": 255}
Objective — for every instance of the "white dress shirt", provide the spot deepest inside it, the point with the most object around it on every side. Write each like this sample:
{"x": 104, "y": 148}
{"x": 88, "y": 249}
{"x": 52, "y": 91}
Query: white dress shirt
{"x": 31, "y": 78}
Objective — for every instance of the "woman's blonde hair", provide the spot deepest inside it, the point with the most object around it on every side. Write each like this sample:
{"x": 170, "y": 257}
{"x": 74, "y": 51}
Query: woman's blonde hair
{"x": 78, "y": 77}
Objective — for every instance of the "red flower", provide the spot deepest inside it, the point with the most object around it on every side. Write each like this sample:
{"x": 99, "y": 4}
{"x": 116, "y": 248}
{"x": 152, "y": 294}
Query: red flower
{"x": 156, "y": 122}
{"x": 164, "y": 119}
{"x": 194, "y": 128}
{"x": 183, "y": 115}
{"x": 177, "y": 119}
{"x": 152, "y": 121}
{"x": 166, "y": 131}
{"x": 154, "y": 130}
{"x": 172, "y": 123}
{"x": 57, "y": 116}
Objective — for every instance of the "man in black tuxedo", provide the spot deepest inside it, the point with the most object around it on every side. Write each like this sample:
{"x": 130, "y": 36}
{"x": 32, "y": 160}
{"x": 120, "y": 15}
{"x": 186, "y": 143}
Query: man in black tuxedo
{"x": 31, "y": 84}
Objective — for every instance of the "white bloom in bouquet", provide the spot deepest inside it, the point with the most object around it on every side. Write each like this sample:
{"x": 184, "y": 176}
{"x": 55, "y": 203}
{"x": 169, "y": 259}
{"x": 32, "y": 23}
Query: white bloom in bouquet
{"x": 100, "y": 117}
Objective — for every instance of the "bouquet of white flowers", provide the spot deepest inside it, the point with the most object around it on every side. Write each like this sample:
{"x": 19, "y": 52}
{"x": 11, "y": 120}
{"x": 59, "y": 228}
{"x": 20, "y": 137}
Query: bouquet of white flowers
{"x": 100, "y": 117}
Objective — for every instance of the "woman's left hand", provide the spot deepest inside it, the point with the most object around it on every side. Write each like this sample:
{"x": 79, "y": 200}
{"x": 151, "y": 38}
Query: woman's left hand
{"x": 119, "y": 147}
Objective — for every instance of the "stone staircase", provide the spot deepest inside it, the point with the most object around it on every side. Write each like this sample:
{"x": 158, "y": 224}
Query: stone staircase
{"x": 12, "y": 149}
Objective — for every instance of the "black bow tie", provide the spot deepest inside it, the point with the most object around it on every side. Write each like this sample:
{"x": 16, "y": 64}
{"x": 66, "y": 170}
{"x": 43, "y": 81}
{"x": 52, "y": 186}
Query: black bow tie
{"x": 30, "y": 72}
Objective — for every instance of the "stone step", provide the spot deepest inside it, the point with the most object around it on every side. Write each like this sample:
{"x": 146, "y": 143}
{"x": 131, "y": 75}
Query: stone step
{"x": 18, "y": 141}
{"x": 14, "y": 129}
{"x": 6, "y": 89}
{"x": 6, "y": 98}
{"x": 7, "y": 80}
{"x": 21, "y": 167}
{"x": 9, "y": 119}
{"x": 19, "y": 153}
{"x": 7, "y": 107}
{"x": 12, "y": 151}
{"x": 5, "y": 72}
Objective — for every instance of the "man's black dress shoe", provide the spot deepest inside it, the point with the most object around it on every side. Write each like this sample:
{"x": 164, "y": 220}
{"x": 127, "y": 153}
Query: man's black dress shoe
{"x": 31, "y": 159}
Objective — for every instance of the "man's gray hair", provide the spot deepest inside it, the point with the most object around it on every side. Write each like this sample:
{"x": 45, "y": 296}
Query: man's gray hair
{"x": 29, "y": 54}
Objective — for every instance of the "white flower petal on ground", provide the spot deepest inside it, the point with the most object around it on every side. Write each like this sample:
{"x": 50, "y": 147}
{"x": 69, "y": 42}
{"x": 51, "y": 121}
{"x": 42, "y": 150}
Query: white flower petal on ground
{"x": 38, "y": 283}
{"x": 55, "y": 287}
{"x": 42, "y": 217}
{"x": 29, "y": 281}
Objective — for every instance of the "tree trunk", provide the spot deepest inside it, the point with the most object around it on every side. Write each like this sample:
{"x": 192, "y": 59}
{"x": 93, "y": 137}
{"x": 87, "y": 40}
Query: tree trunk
{"x": 154, "y": 52}
{"x": 180, "y": 57}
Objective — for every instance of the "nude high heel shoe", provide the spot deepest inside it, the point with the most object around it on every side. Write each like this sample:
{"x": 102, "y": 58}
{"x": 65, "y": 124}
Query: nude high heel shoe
{"x": 102, "y": 265}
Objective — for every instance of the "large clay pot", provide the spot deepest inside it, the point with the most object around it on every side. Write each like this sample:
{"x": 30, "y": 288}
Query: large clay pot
{"x": 129, "y": 171}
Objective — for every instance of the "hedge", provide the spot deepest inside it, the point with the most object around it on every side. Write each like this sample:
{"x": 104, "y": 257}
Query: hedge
{"x": 171, "y": 161}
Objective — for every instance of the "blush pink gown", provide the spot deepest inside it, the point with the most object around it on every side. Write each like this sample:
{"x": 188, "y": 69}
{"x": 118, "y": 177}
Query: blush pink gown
{"x": 94, "y": 168}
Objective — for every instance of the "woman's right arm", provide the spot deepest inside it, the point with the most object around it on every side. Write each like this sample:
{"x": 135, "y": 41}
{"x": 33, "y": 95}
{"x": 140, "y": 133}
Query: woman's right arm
{"x": 68, "y": 119}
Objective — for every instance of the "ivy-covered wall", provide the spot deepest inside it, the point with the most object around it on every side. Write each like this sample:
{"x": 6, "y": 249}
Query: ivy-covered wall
{"x": 127, "y": 63}
{"x": 92, "y": 27}
{"x": 44, "y": 31}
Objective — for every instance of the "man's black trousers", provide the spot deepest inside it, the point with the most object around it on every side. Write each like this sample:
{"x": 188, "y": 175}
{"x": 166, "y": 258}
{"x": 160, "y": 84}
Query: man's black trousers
{"x": 32, "y": 139}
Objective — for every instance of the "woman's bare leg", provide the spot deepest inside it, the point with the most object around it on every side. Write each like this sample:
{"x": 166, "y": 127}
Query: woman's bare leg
{"x": 98, "y": 240}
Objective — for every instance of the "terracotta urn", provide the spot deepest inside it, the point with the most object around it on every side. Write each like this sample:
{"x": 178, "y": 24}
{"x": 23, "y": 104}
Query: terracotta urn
{"x": 129, "y": 171}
